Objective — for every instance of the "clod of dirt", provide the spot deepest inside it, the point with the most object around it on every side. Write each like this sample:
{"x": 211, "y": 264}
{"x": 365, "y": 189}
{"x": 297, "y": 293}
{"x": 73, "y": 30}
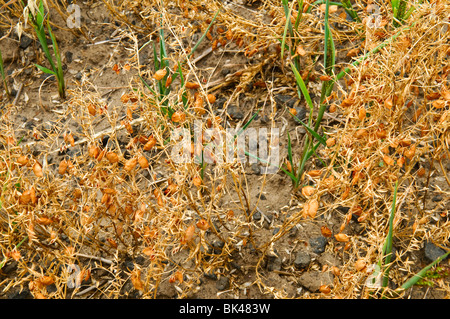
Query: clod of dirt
{"x": 312, "y": 280}
{"x": 302, "y": 260}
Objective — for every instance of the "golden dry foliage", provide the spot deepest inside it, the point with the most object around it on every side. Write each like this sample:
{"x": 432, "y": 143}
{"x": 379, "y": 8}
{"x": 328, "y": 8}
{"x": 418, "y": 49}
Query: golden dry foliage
{"x": 117, "y": 194}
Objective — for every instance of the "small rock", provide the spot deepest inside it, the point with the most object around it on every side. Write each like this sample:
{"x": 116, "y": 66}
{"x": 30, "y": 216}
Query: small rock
{"x": 318, "y": 244}
{"x": 276, "y": 230}
{"x": 437, "y": 198}
{"x": 274, "y": 264}
{"x": 210, "y": 275}
{"x": 433, "y": 252}
{"x": 69, "y": 57}
{"x": 9, "y": 267}
{"x": 78, "y": 76}
{"x": 262, "y": 197}
{"x": 25, "y": 42}
{"x": 285, "y": 100}
{"x": 223, "y": 283}
{"x": 302, "y": 260}
{"x": 257, "y": 216}
{"x": 301, "y": 115}
{"x": 234, "y": 113}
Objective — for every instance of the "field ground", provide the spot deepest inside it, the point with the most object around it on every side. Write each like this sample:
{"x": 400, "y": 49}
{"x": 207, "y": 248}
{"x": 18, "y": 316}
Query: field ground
{"x": 93, "y": 205}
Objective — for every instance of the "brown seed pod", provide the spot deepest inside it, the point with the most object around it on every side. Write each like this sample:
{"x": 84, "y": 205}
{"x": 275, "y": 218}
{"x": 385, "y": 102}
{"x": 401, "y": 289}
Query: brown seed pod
{"x": 410, "y": 152}
{"x": 362, "y": 113}
{"x": 331, "y": 142}
{"x": 188, "y": 235}
{"x": 93, "y": 151}
{"x": 68, "y": 138}
{"x": 191, "y": 85}
{"x": 112, "y": 157}
{"x": 202, "y": 224}
{"x": 347, "y": 102}
{"x": 46, "y": 280}
{"x": 150, "y": 143}
{"x": 388, "y": 103}
{"x": 421, "y": 171}
{"x": 360, "y": 265}
{"x": 389, "y": 161}
{"x": 25, "y": 198}
{"x": 37, "y": 169}
{"x": 308, "y": 191}
{"x": 160, "y": 74}
{"x": 353, "y": 52}
{"x": 178, "y": 117}
{"x": 311, "y": 207}
{"x": 92, "y": 109}
{"x": 326, "y": 232}
{"x": 143, "y": 162}
{"x": 62, "y": 167}
{"x": 136, "y": 280}
{"x": 197, "y": 181}
{"x": 439, "y": 104}
{"x": 169, "y": 81}
{"x": 44, "y": 221}
{"x": 325, "y": 289}
{"x": 293, "y": 111}
{"x": 211, "y": 98}
{"x": 335, "y": 271}
{"x": 112, "y": 242}
{"x": 341, "y": 237}
{"x": 332, "y": 108}
{"x": 23, "y": 160}
{"x": 314, "y": 173}
{"x": 198, "y": 105}
{"x": 130, "y": 164}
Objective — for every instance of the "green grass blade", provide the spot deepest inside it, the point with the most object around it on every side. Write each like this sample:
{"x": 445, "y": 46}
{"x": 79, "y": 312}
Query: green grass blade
{"x": 411, "y": 282}
{"x": 203, "y": 35}
{"x": 387, "y": 250}
{"x": 2, "y": 73}
{"x": 302, "y": 86}
{"x": 59, "y": 70}
{"x": 44, "y": 69}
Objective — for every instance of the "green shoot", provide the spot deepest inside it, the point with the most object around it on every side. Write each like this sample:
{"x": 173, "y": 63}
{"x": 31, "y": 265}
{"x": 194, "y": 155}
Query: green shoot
{"x": 387, "y": 248}
{"x": 56, "y": 69}
{"x": 2, "y": 73}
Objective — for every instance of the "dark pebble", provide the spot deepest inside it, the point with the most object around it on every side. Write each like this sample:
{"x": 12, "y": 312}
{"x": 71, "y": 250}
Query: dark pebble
{"x": 223, "y": 283}
{"x": 437, "y": 198}
{"x": 257, "y": 216}
{"x": 276, "y": 230}
{"x": 285, "y": 100}
{"x": 25, "y": 42}
{"x": 9, "y": 267}
{"x": 274, "y": 264}
{"x": 318, "y": 244}
{"x": 69, "y": 57}
{"x": 234, "y": 113}
{"x": 302, "y": 260}
{"x": 301, "y": 115}
{"x": 293, "y": 232}
{"x": 432, "y": 252}
{"x": 210, "y": 275}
